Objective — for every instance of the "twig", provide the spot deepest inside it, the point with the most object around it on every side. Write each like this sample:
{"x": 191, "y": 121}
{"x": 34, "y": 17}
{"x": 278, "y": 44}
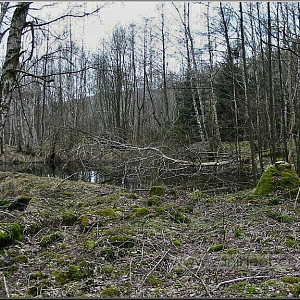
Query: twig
{"x": 296, "y": 200}
{"x": 199, "y": 278}
{"x": 56, "y": 186}
{"x": 5, "y": 286}
{"x": 155, "y": 266}
{"x": 4, "y": 212}
{"x": 242, "y": 279}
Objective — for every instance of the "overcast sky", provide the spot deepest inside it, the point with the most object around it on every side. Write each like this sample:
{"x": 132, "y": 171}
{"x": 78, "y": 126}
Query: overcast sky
{"x": 96, "y": 27}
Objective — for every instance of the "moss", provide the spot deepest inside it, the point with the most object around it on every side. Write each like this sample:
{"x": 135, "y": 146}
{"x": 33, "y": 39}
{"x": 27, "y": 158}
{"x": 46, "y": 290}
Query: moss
{"x": 196, "y": 195}
{"x": 83, "y": 222}
{"x": 69, "y": 218}
{"x": 21, "y": 259}
{"x": 290, "y": 279}
{"x": 153, "y": 280}
{"x": 105, "y": 212}
{"x": 89, "y": 244}
{"x": 50, "y": 239}
{"x": 231, "y": 251}
{"x": 154, "y": 200}
{"x": 256, "y": 260}
{"x": 296, "y": 290}
{"x": 110, "y": 292}
{"x": 9, "y": 232}
{"x": 4, "y": 202}
{"x": 117, "y": 230}
{"x": 179, "y": 217}
{"x": 278, "y": 179}
{"x": 108, "y": 254}
{"x": 37, "y": 275}
{"x": 217, "y": 247}
{"x": 37, "y": 289}
{"x": 140, "y": 212}
{"x": 157, "y": 190}
{"x": 279, "y": 217}
{"x": 107, "y": 269}
{"x": 122, "y": 241}
{"x": 132, "y": 196}
{"x": 74, "y": 272}
{"x": 20, "y": 203}
{"x": 178, "y": 270}
{"x": 238, "y": 231}
{"x": 159, "y": 210}
{"x": 291, "y": 243}
{"x": 176, "y": 242}
{"x": 67, "y": 194}
{"x": 13, "y": 268}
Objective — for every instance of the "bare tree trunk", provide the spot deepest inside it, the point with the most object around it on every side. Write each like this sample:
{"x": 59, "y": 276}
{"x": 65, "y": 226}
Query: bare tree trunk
{"x": 215, "y": 138}
{"x": 234, "y": 84}
{"x": 11, "y": 64}
{"x": 247, "y": 98}
{"x": 164, "y": 65}
{"x": 271, "y": 98}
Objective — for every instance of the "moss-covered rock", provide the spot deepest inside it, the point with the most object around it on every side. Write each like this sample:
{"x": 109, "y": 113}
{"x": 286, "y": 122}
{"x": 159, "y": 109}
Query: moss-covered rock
{"x": 278, "y": 179}
{"x": 9, "y": 232}
{"x": 157, "y": 190}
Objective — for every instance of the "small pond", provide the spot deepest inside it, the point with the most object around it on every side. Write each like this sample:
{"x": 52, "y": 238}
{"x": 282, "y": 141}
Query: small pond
{"x": 212, "y": 183}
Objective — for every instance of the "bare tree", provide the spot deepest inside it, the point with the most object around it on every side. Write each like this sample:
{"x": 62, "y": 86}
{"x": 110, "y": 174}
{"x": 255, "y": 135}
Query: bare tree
{"x": 10, "y": 66}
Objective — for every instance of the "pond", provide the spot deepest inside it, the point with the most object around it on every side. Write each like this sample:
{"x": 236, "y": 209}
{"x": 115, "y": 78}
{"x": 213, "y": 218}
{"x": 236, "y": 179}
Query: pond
{"x": 213, "y": 183}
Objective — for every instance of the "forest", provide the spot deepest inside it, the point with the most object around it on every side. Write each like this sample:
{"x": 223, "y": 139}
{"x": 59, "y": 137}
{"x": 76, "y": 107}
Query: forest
{"x": 177, "y": 139}
{"x": 178, "y": 88}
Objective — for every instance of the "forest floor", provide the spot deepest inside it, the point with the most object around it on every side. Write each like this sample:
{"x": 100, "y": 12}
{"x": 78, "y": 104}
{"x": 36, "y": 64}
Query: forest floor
{"x": 62, "y": 238}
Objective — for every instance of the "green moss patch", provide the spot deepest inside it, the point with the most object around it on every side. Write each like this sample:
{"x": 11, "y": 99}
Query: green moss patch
{"x": 69, "y": 218}
{"x": 110, "y": 292}
{"x": 9, "y": 232}
{"x": 74, "y": 272}
{"x": 215, "y": 248}
{"x": 154, "y": 201}
{"x": 122, "y": 241}
{"x": 278, "y": 179}
{"x": 105, "y": 212}
{"x": 139, "y": 212}
{"x": 157, "y": 190}
{"x": 20, "y": 203}
{"x": 50, "y": 239}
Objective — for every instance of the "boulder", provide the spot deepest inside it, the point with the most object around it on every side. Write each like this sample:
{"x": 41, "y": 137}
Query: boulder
{"x": 279, "y": 180}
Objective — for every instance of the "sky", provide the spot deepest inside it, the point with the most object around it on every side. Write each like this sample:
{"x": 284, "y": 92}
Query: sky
{"x": 96, "y": 27}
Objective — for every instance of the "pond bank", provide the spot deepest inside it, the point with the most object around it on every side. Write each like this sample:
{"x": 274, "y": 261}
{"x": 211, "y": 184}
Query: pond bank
{"x": 97, "y": 240}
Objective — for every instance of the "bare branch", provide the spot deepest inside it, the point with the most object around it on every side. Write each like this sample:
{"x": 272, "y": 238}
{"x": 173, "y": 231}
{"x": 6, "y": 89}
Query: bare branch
{"x": 70, "y": 15}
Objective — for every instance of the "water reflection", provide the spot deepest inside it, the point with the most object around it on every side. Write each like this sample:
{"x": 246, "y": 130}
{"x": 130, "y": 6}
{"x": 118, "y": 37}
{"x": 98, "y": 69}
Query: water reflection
{"x": 210, "y": 183}
{"x": 64, "y": 172}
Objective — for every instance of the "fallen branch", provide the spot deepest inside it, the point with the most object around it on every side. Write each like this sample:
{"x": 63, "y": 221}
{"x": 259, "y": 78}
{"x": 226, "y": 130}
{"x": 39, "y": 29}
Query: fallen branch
{"x": 155, "y": 266}
{"x": 5, "y": 286}
{"x": 245, "y": 278}
{"x": 57, "y": 185}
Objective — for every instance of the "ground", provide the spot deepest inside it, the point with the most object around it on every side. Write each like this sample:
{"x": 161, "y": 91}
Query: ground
{"x": 90, "y": 240}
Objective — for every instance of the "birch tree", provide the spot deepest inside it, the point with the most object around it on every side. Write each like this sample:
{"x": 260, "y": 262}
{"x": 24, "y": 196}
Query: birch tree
{"x": 11, "y": 65}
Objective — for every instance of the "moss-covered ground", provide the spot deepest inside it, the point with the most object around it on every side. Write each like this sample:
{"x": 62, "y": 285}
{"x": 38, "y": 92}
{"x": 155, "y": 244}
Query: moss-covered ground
{"x": 91, "y": 240}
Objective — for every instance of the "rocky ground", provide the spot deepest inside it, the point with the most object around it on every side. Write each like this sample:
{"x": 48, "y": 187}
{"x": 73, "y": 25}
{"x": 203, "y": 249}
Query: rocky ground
{"x": 60, "y": 238}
